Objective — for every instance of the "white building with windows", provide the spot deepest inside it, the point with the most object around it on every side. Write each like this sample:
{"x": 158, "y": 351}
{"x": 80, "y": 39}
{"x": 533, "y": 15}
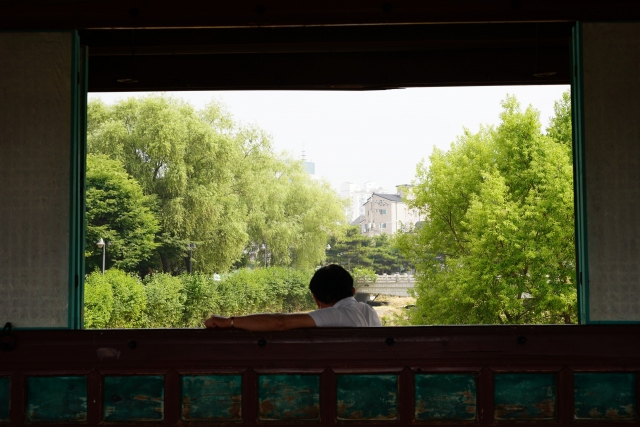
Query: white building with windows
{"x": 386, "y": 214}
{"x": 358, "y": 196}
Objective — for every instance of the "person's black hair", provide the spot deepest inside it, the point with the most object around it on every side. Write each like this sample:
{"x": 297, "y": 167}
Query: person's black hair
{"x": 331, "y": 283}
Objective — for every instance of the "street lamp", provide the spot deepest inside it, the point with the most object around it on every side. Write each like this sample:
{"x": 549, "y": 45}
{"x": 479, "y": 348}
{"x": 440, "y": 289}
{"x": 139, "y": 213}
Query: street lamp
{"x": 264, "y": 248}
{"x": 103, "y": 245}
{"x": 191, "y": 247}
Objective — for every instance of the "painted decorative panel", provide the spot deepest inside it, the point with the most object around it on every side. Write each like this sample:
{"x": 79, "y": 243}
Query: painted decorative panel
{"x": 57, "y": 399}
{"x": 5, "y": 398}
{"x": 289, "y": 397}
{"x": 212, "y": 397}
{"x": 525, "y": 397}
{"x": 445, "y": 397}
{"x": 605, "y": 396}
{"x": 367, "y": 397}
{"x": 134, "y": 398}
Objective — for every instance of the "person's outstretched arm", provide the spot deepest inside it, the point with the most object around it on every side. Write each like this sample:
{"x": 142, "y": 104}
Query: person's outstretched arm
{"x": 262, "y": 322}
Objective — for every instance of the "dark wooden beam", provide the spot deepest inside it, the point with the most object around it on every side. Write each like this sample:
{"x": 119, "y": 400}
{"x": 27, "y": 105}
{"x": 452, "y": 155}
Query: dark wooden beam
{"x": 325, "y": 58}
{"x": 330, "y": 71}
{"x": 519, "y": 348}
{"x": 325, "y": 39}
{"x": 49, "y": 14}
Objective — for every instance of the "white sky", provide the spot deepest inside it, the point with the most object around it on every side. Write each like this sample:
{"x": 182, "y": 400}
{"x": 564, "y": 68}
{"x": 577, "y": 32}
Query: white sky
{"x": 368, "y": 136}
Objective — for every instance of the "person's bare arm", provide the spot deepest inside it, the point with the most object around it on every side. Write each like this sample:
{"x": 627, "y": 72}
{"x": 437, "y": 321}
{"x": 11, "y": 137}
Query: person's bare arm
{"x": 263, "y": 322}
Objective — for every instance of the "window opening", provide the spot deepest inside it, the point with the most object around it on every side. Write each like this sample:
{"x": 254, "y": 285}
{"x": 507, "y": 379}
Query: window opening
{"x": 433, "y": 198}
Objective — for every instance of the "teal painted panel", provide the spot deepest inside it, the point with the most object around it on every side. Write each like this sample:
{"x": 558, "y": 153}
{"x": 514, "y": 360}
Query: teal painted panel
{"x": 57, "y": 399}
{"x": 367, "y": 397}
{"x": 5, "y": 398}
{"x": 605, "y": 396}
{"x": 134, "y": 398}
{"x": 289, "y": 397}
{"x": 525, "y": 397}
{"x": 212, "y": 397}
{"x": 445, "y": 397}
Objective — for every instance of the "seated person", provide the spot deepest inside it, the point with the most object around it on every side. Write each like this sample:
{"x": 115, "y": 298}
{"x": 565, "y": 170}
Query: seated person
{"x": 332, "y": 288}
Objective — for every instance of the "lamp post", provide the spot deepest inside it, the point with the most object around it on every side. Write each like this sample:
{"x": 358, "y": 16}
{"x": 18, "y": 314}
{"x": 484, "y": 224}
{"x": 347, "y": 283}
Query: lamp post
{"x": 264, "y": 248}
{"x": 191, "y": 247}
{"x": 103, "y": 245}
{"x": 326, "y": 262}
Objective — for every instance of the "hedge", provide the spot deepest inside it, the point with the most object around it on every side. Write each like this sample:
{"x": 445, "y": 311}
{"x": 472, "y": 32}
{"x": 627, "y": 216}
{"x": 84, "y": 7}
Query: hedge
{"x": 120, "y": 300}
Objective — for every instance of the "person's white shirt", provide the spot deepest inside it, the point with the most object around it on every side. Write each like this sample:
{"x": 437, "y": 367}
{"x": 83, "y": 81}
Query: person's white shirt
{"x": 346, "y": 313}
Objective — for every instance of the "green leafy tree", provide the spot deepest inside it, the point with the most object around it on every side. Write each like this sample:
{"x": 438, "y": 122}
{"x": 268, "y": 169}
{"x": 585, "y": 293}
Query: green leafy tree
{"x": 497, "y": 246}
{"x": 387, "y": 257}
{"x": 353, "y": 249}
{"x": 118, "y": 213}
{"x": 187, "y": 164}
{"x": 290, "y": 216}
{"x": 560, "y": 127}
{"x": 217, "y": 184}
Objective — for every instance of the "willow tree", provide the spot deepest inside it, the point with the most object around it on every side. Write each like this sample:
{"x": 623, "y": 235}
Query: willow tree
{"x": 498, "y": 244}
{"x": 290, "y": 215}
{"x": 217, "y": 183}
{"x": 188, "y": 165}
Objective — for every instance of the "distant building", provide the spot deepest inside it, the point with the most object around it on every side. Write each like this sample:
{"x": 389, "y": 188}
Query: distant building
{"x": 357, "y": 196}
{"x": 309, "y": 167}
{"x": 386, "y": 214}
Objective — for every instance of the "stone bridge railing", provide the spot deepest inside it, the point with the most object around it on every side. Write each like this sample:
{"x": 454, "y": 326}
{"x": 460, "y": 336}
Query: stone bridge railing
{"x": 388, "y": 284}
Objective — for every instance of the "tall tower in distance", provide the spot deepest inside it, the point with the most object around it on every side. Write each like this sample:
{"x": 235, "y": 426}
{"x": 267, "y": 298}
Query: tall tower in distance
{"x": 309, "y": 167}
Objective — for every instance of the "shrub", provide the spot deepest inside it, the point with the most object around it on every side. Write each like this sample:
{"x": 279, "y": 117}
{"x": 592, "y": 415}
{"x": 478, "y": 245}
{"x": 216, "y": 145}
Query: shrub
{"x": 200, "y": 294}
{"x": 165, "y": 301}
{"x": 289, "y": 289}
{"x": 119, "y": 300}
{"x": 274, "y": 289}
{"x": 98, "y": 301}
{"x": 128, "y": 300}
{"x": 241, "y": 293}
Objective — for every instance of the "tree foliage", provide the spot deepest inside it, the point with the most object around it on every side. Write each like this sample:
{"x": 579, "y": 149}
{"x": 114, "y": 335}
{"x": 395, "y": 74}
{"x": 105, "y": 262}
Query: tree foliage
{"x": 118, "y": 213}
{"x": 497, "y": 246}
{"x": 352, "y": 249}
{"x": 98, "y": 302}
{"x": 215, "y": 183}
{"x": 165, "y": 298}
{"x": 113, "y": 300}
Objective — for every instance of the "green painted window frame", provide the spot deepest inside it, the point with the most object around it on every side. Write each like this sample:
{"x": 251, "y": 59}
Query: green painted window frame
{"x": 579, "y": 176}
{"x": 78, "y": 161}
